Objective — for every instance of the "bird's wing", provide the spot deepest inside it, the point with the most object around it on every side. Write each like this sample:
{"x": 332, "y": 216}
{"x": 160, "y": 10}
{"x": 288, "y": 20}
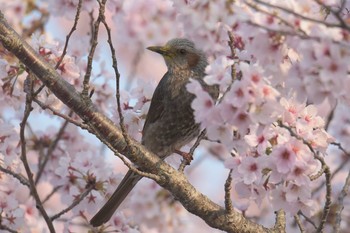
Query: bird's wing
{"x": 156, "y": 108}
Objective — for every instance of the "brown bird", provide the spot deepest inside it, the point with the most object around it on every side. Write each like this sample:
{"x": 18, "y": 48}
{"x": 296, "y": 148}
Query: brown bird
{"x": 170, "y": 122}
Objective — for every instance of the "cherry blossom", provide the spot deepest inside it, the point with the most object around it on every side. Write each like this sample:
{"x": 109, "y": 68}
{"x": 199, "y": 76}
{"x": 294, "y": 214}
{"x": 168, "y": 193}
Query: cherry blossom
{"x": 261, "y": 140}
{"x": 202, "y": 104}
{"x": 216, "y": 73}
{"x": 9, "y": 150}
{"x": 250, "y": 168}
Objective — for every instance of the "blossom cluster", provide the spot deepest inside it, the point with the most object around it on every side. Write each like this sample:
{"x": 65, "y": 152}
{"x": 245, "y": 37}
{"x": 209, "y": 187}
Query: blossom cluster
{"x": 273, "y": 138}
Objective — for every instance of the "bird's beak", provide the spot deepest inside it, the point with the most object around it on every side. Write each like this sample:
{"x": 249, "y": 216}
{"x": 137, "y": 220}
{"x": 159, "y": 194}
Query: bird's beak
{"x": 163, "y": 50}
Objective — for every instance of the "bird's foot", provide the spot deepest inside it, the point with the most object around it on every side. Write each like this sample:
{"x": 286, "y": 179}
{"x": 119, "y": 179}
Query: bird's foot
{"x": 187, "y": 156}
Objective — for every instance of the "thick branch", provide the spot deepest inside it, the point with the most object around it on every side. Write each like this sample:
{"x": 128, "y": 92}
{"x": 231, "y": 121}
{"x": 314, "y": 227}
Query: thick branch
{"x": 172, "y": 180}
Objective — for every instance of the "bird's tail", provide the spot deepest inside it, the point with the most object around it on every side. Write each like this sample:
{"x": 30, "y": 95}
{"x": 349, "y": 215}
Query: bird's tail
{"x": 124, "y": 188}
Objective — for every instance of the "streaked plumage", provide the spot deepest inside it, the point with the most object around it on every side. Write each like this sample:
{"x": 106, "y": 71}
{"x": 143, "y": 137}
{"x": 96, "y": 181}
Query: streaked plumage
{"x": 170, "y": 122}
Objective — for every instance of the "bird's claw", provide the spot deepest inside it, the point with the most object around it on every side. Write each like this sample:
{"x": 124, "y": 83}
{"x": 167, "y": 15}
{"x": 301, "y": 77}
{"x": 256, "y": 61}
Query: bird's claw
{"x": 187, "y": 156}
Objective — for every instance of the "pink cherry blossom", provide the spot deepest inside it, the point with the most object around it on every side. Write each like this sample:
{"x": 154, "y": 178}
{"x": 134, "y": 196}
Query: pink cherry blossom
{"x": 260, "y": 140}
{"x": 9, "y": 150}
{"x": 296, "y": 192}
{"x": 250, "y": 169}
{"x": 309, "y": 118}
{"x": 279, "y": 201}
{"x": 284, "y": 158}
{"x": 217, "y": 73}
{"x": 300, "y": 172}
{"x": 203, "y": 104}
{"x": 254, "y": 192}
{"x": 292, "y": 110}
{"x": 222, "y": 133}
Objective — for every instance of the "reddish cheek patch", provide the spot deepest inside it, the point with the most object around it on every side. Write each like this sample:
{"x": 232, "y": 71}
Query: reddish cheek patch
{"x": 192, "y": 59}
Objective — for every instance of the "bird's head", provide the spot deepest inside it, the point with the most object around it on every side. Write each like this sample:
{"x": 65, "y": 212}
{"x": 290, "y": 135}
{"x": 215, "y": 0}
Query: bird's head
{"x": 181, "y": 54}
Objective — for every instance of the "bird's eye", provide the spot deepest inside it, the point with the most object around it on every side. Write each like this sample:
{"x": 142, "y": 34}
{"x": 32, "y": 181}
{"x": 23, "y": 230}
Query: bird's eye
{"x": 182, "y": 51}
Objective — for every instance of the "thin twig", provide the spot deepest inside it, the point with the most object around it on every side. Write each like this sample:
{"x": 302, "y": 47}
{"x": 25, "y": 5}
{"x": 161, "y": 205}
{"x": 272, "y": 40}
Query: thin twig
{"x": 274, "y": 15}
{"x": 74, "y": 27}
{"x": 63, "y": 116}
{"x": 231, "y": 44}
{"x": 116, "y": 72}
{"x": 27, "y": 111}
{"x": 318, "y": 174}
{"x": 52, "y": 147}
{"x": 39, "y": 90}
{"x": 340, "y": 204}
{"x": 309, "y": 220}
{"x": 94, "y": 42}
{"x": 342, "y": 6}
{"x": 283, "y": 32}
{"x": 329, "y": 118}
{"x": 336, "y": 14}
{"x": 134, "y": 169}
{"x": 19, "y": 177}
{"x": 135, "y": 62}
{"x": 54, "y": 190}
{"x": 184, "y": 162}
{"x": 293, "y": 33}
{"x": 92, "y": 19}
{"x": 340, "y": 147}
{"x": 336, "y": 171}
{"x": 3, "y": 227}
{"x": 64, "y": 52}
{"x": 37, "y": 24}
{"x": 75, "y": 202}
{"x": 328, "y": 201}
{"x": 291, "y": 12}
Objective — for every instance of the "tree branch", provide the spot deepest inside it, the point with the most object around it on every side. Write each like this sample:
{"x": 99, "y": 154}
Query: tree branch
{"x": 300, "y": 225}
{"x": 74, "y": 27}
{"x": 33, "y": 191}
{"x": 94, "y": 43}
{"x": 291, "y": 12}
{"x": 340, "y": 204}
{"x": 228, "y": 201}
{"x": 74, "y": 203}
{"x": 307, "y": 219}
{"x": 185, "y": 162}
{"x": 63, "y": 116}
{"x": 52, "y": 147}
{"x": 2, "y": 227}
{"x": 280, "y": 225}
{"x": 19, "y": 177}
{"x": 116, "y": 71}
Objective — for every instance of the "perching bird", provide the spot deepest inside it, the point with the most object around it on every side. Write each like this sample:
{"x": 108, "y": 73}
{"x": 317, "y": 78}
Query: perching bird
{"x": 170, "y": 122}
